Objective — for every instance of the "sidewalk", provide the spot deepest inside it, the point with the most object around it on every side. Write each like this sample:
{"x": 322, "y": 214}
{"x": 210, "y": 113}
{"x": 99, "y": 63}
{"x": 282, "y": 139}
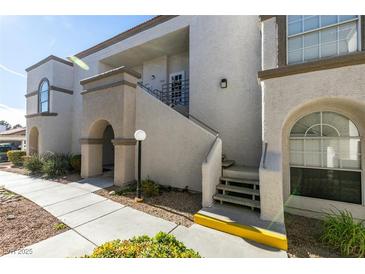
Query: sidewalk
{"x": 94, "y": 220}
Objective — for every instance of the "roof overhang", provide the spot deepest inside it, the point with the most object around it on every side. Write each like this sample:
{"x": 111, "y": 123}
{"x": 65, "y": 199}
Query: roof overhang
{"x": 169, "y": 44}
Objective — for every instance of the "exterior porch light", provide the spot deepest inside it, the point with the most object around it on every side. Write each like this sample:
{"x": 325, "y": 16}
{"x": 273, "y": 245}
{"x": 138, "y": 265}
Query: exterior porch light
{"x": 224, "y": 83}
{"x": 140, "y": 136}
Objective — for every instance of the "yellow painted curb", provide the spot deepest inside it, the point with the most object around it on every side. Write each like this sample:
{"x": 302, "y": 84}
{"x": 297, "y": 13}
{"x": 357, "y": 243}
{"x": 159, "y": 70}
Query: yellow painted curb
{"x": 259, "y": 235}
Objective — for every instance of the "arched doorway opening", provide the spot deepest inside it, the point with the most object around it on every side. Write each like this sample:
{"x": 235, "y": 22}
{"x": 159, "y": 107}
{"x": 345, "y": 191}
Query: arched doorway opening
{"x": 325, "y": 158}
{"x": 108, "y": 151}
{"x": 101, "y": 156}
{"x": 33, "y": 141}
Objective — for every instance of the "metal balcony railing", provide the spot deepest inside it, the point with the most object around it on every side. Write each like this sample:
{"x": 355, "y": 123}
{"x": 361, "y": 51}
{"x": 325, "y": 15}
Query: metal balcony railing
{"x": 172, "y": 94}
{"x": 176, "y": 93}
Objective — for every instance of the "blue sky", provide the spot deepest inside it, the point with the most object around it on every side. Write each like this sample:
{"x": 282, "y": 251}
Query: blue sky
{"x": 25, "y": 40}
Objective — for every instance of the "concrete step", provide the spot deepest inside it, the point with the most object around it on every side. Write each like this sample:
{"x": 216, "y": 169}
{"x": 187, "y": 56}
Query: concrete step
{"x": 241, "y": 172}
{"x": 236, "y": 200}
{"x": 238, "y": 189}
{"x": 244, "y": 223}
{"x": 227, "y": 163}
{"x": 240, "y": 181}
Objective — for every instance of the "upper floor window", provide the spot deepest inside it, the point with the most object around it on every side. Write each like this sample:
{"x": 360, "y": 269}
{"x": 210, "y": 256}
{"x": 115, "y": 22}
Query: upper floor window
{"x": 43, "y": 96}
{"x": 312, "y": 37}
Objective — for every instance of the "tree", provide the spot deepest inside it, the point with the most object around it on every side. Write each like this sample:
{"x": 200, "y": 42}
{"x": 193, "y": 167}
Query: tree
{"x": 17, "y": 126}
{"x": 6, "y": 124}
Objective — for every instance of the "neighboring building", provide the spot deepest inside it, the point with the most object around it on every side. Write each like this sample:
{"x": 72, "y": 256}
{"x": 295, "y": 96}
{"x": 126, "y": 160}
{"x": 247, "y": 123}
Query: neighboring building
{"x": 286, "y": 108}
{"x": 16, "y": 138}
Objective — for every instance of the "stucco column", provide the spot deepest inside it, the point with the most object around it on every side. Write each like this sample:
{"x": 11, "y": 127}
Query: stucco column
{"x": 271, "y": 195}
{"x": 124, "y": 155}
{"x": 91, "y": 157}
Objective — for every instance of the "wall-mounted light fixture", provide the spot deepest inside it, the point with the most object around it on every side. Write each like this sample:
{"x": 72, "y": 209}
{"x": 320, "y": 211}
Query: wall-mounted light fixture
{"x": 224, "y": 83}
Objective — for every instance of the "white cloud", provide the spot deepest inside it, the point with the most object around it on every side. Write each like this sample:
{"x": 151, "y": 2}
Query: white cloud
{"x": 12, "y": 115}
{"x": 12, "y": 71}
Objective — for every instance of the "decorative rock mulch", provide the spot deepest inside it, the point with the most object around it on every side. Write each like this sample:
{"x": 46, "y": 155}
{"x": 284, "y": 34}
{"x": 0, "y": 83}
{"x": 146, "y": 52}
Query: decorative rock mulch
{"x": 304, "y": 238}
{"x": 23, "y": 223}
{"x": 175, "y": 206}
{"x": 7, "y": 196}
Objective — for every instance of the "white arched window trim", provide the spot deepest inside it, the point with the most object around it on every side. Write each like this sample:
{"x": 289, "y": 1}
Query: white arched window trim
{"x": 322, "y": 151}
{"x": 43, "y": 96}
{"x": 321, "y": 125}
{"x": 325, "y": 158}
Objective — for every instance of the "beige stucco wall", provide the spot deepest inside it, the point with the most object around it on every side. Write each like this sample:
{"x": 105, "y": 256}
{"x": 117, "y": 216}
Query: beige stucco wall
{"x": 115, "y": 106}
{"x": 178, "y": 62}
{"x": 162, "y": 67}
{"x": 35, "y": 75}
{"x": 93, "y": 61}
{"x": 287, "y": 99}
{"x": 269, "y": 46}
{"x": 211, "y": 173}
{"x": 175, "y": 147}
{"x": 54, "y": 131}
{"x": 220, "y": 46}
{"x": 156, "y": 67}
{"x": 228, "y": 47}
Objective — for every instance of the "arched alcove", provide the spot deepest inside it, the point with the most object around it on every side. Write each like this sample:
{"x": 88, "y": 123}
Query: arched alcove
{"x": 323, "y": 156}
{"x": 33, "y": 141}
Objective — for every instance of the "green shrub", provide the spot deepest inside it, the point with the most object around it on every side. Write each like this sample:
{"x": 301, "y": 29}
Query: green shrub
{"x": 342, "y": 232}
{"x": 25, "y": 158}
{"x": 126, "y": 189}
{"x": 56, "y": 164}
{"x": 15, "y": 156}
{"x": 150, "y": 188}
{"x": 59, "y": 226}
{"x": 33, "y": 163}
{"x": 161, "y": 246}
{"x": 75, "y": 162}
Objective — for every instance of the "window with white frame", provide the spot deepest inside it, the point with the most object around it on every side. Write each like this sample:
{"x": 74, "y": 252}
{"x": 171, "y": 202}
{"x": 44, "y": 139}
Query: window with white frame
{"x": 311, "y": 37}
{"x": 43, "y": 96}
{"x": 325, "y": 158}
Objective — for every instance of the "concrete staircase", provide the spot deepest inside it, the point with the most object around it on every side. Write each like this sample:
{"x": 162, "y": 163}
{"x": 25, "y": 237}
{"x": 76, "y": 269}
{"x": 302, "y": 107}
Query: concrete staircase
{"x": 236, "y": 209}
{"x": 239, "y": 185}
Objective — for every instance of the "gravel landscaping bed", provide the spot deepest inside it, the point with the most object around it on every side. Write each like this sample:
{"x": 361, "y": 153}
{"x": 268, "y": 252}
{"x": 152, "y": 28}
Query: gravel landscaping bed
{"x": 304, "y": 238}
{"x": 69, "y": 178}
{"x": 23, "y": 223}
{"x": 8, "y": 167}
{"x": 175, "y": 206}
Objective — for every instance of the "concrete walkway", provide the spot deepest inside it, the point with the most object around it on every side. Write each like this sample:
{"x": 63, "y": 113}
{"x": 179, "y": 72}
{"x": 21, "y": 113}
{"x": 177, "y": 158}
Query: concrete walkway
{"x": 94, "y": 220}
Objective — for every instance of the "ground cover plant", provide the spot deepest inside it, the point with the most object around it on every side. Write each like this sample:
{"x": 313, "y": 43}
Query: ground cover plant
{"x": 33, "y": 163}
{"x": 162, "y": 245}
{"x": 344, "y": 233}
{"x": 52, "y": 164}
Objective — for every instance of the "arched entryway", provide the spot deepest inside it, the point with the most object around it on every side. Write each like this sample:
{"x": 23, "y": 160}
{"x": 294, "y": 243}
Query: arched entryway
{"x": 108, "y": 151}
{"x": 325, "y": 158}
{"x": 33, "y": 142}
{"x": 100, "y": 154}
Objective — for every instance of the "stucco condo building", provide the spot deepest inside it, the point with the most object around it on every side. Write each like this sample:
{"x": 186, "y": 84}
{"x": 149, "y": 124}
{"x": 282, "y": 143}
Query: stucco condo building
{"x": 262, "y": 114}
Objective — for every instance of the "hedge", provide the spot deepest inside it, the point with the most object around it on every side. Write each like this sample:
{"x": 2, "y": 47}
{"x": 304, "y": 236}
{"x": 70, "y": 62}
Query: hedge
{"x": 15, "y": 156}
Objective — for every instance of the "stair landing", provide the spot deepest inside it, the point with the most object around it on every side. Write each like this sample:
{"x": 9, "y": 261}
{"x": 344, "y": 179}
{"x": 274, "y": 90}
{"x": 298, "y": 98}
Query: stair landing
{"x": 241, "y": 172}
{"x": 244, "y": 223}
